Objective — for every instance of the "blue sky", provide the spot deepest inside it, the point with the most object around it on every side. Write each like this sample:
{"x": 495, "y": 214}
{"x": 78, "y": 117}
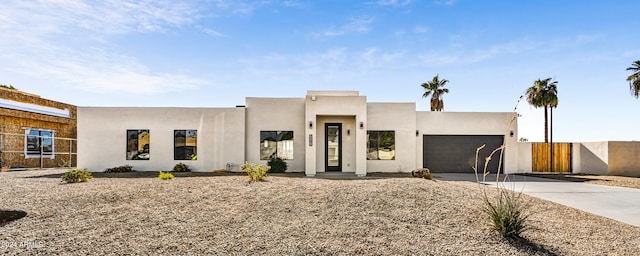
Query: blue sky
{"x": 215, "y": 53}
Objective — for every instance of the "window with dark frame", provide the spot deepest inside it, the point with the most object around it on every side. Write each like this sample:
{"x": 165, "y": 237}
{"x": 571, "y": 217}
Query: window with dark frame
{"x": 138, "y": 143}
{"x": 185, "y": 145}
{"x": 381, "y": 145}
{"x": 38, "y": 143}
{"x": 276, "y": 144}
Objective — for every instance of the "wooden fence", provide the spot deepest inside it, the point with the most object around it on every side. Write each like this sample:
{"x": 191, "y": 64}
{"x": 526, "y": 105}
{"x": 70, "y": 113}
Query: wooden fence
{"x": 541, "y": 157}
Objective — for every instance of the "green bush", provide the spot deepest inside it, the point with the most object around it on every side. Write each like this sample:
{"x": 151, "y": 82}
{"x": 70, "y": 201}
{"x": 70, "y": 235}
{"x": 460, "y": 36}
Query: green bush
{"x": 256, "y": 172}
{"x": 180, "y": 167}
{"x": 123, "y": 168}
{"x": 507, "y": 214}
{"x": 76, "y": 175}
{"x": 165, "y": 175}
{"x": 277, "y": 165}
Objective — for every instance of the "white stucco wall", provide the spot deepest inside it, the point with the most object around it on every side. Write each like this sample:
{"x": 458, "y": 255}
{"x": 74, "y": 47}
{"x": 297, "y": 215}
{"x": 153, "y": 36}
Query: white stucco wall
{"x": 276, "y": 114}
{"x": 471, "y": 123}
{"x": 323, "y": 105}
{"x": 232, "y": 135}
{"x": 348, "y": 142}
{"x": 590, "y": 157}
{"x": 401, "y": 118}
{"x": 607, "y": 158}
{"x": 525, "y": 164}
{"x": 102, "y": 136}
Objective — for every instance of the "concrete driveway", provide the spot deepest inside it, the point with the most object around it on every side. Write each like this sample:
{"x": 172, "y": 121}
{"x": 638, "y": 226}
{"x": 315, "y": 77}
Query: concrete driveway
{"x": 618, "y": 203}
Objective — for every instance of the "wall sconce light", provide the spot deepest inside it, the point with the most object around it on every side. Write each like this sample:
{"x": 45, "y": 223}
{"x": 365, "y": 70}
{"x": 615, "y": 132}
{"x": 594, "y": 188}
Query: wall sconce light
{"x": 348, "y": 131}
{"x": 361, "y": 125}
{"x": 313, "y": 98}
{"x": 417, "y": 133}
{"x": 310, "y": 124}
{"x": 510, "y": 133}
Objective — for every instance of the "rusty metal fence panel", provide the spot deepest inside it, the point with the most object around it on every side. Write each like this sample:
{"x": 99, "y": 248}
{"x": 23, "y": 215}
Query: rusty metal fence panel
{"x": 17, "y": 153}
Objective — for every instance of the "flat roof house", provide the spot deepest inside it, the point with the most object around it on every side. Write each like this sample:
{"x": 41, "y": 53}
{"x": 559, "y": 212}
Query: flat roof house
{"x": 325, "y": 131}
{"x": 35, "y": 132}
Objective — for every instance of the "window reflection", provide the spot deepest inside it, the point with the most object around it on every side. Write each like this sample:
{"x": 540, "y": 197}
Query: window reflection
{"x": 138, "y": 142}
{"x": 185, "y": 145}
{"x": 381, "y": 145}
{"x": 39, "y": 142}
{"x": 276, "y": 144}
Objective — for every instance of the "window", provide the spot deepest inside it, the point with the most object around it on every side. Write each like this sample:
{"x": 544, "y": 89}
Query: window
{"x": 185, "y": 145}
{"x": 138, "y": 144}
{"x": 38, "y": 143}
{"x": 276, "y": 144}
{"x": 381, "y": 145}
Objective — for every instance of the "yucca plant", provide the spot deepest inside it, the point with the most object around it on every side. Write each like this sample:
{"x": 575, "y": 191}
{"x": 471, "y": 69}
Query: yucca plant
{"x": 507, "y": 213}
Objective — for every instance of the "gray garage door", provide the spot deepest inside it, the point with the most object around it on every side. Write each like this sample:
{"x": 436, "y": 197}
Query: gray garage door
{"x": 457, "y": 153}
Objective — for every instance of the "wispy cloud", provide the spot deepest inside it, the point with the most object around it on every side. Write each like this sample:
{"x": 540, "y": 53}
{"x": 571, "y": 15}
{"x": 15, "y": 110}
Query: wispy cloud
{"x": 445, "y": 2}
{"x": 372, "y": 58}
{"x": 355, "y": 25}
{"x": 323, "y": 64}
{"x": 420, "y": 29}
{"x": 98, "y": 71}
{"x": 104, "y": 17}
{"x": 458, "y": 57}
{"x": 394, "y": 3}
{"x": 68, "y": 42}
{"x": 291, "y": 3}
{"x": 211, "y": 32}
{"x": 246, "y": 7}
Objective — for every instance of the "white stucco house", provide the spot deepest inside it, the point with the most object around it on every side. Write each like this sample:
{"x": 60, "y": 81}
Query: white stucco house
{"x": 325, "y": 131}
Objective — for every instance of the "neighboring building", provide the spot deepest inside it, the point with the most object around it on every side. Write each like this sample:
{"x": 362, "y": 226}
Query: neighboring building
{"x": 322, "y": 132}
{"x": 35, "y": 132}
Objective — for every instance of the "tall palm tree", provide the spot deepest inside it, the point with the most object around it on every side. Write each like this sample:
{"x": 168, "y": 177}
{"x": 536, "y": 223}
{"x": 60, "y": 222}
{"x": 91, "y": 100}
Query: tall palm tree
{"x": 543, "y": 93}
{"x": 436, "y": 89}
{"x": 634, "y": 79}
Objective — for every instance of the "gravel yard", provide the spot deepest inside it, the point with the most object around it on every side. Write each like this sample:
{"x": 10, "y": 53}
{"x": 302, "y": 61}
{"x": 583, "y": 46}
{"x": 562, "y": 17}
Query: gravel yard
{"x": 288, "y": 215}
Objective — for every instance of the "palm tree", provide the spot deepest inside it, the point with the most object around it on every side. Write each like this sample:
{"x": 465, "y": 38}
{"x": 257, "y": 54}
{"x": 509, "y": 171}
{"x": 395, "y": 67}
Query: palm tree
{"x": 634, "y": 79}
{"x": 436, "y": 89}
{"x": 543, "y": 93}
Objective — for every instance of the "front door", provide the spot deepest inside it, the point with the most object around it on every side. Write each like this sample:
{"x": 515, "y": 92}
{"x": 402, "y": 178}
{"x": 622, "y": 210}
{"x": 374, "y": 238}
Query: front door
{"x": 333, "y": 146}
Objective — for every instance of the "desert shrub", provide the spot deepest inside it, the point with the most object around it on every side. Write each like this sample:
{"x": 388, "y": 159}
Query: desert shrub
{"x": 507, "y": 214}
{"x": 180, "y": 167}
{"x": 123, "y": 168}
{"x": 76, "y": 175}
{"x": 277, "y": 165}
{"x": 165, "y": 175}
{"x": 256, "y": 172}
{"x": 422, "y": 173}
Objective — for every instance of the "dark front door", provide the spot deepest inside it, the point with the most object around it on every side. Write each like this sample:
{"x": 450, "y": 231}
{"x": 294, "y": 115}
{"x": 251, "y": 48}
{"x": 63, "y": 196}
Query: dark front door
{"x": 333, "y": 146}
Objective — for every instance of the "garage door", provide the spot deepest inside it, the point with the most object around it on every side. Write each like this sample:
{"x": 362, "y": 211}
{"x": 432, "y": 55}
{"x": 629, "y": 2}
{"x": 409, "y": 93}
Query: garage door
{"x": 457, "y": 153}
